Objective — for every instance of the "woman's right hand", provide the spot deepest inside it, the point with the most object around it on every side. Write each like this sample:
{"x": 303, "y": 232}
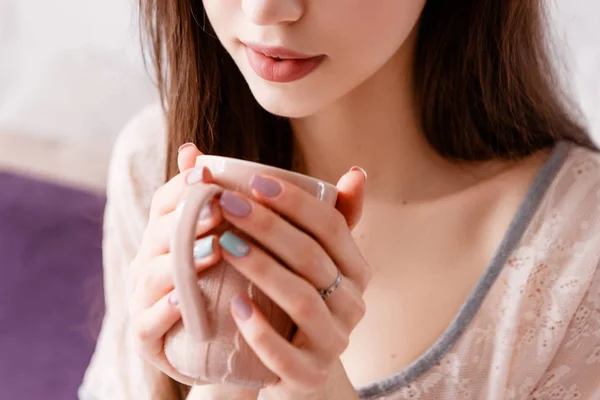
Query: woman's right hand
{"x": 153, "y": 305}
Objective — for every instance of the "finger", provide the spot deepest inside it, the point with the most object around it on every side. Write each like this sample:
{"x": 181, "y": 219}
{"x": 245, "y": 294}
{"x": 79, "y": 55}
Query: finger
{"x": 186, "y": 157}
{"x": 294, "y": 247}
{"x": 294, "y": 295}
{"x": 288, "y": 362}
{"x": 296, "y": 250}
{"x": 168, "y": 196}
{"x": 157, "y": 278}
{"x": 151, "y": 325}
{"x": 347, "y": 305}
{"x": 323, "y": 222}
{"x": 351, "y": 194}
{"x": 157, "y": 236}
{"x": 149, "y": 330}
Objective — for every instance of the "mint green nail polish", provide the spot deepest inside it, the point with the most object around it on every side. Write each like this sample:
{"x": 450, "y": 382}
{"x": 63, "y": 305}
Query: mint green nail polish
{"x": 233, "y": 244}
{"x": 203, "y": 247}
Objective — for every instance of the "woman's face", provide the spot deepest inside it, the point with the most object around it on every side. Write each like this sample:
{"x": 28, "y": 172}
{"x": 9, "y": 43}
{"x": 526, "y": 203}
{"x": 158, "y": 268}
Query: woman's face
{"x": 298, "y": 56}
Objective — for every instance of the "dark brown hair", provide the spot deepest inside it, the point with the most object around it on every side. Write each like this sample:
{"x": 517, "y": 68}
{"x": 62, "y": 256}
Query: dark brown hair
{"x": 483, "y": 78}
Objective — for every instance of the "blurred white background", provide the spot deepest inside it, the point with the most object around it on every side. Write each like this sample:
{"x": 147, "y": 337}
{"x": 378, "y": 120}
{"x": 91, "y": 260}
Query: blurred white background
{"x": 71, "y": 75}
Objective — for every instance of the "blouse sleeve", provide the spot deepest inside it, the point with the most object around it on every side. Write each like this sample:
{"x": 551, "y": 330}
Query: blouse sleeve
{"x": 574, "y": 372}
{"x": 136, "y": 170}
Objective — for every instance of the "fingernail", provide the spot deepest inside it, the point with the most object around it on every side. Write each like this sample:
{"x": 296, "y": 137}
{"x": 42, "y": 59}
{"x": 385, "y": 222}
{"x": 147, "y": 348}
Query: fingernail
{"x": 234, "y": 204}
{"x": 195, "y": 176}
{"x": 206, "y": 210}
{"x": 185, "y": 146}
{"x": 265, "y": 186}
{"x": 173, "y": 300}
{"x": 179, "y": 208}
{"x": 233, "y": 244}
{"x": 357, "y": 168}
{"x": 203, "y": 247}
{"x": 241, "y": 308}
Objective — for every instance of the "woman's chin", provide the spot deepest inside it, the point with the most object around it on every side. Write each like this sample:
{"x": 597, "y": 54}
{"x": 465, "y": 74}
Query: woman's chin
{"x": 294, "y": 100}
{"x": 284, "y": 106}
{"x": 289, "y": 111}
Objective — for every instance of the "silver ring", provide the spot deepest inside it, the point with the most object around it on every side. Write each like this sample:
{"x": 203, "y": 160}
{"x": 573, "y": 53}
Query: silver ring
{"x": 325, "y": 293}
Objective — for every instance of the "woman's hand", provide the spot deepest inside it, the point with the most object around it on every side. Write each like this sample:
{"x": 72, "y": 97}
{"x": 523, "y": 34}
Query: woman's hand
{"x": 313, "y": 239}
{"x": 152, "y": 306}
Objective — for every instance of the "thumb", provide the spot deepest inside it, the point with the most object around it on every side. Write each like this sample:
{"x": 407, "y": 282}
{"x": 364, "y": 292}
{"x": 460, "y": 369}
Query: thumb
{"x": 186, "y": 157}
{"x": 350, "y": 195}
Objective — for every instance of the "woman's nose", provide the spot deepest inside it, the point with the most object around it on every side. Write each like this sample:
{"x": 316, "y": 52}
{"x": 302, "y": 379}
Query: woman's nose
{"x": 273, "y": 12}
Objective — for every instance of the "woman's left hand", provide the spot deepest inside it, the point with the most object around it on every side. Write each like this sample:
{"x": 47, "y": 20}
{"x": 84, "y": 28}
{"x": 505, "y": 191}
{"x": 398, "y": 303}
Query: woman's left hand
{"x": 314, "y": 244}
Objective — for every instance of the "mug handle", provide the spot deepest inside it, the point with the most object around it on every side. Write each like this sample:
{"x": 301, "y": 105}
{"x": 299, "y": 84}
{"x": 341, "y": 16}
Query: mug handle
{"x": 185, "y": 278}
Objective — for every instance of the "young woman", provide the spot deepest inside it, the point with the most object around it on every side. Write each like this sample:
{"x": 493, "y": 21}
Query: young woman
{"x": 469, "y": 258}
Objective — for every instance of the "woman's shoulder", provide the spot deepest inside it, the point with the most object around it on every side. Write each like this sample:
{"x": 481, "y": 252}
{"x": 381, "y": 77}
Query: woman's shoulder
{"x": 555, "y": 276}
{"x": 137, "y": 165}
{"x": 567, "y": 220}
{"x": 576, "y": 187}
{"x": 556, "y": 268}
{"x": 143, "y": 139}
{"x": 584, "y": 156}
{"x": 583, "y": 162}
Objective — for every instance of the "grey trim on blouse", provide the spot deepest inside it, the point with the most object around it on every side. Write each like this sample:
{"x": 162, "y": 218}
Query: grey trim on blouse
{"x": 513, "y": 235}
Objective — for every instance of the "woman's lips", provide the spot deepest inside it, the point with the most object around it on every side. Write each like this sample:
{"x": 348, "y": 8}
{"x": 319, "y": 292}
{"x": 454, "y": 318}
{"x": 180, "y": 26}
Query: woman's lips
{"x": 281, "y": 65}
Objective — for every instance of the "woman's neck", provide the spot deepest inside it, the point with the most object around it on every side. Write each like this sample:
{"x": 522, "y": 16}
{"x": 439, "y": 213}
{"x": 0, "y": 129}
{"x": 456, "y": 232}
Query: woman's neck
{"x": 377, "y": 127}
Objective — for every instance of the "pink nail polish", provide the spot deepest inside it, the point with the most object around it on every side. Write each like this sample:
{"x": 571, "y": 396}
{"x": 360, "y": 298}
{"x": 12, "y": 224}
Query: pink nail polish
{"x": 185, "y": 146}
{"x": 196, "y": 175}
{"x": 206, "y": 210}
{"x": 241, "y": 308}
{"x": 357, "y": 168}
{"x": 173, "y": 300}
{"x": 265, "y": 186}
{"x": 234, "y": 204}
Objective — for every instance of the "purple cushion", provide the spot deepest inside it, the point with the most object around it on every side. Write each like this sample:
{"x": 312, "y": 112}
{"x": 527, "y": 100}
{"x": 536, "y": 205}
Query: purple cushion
{"x": 51, "y": 301}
